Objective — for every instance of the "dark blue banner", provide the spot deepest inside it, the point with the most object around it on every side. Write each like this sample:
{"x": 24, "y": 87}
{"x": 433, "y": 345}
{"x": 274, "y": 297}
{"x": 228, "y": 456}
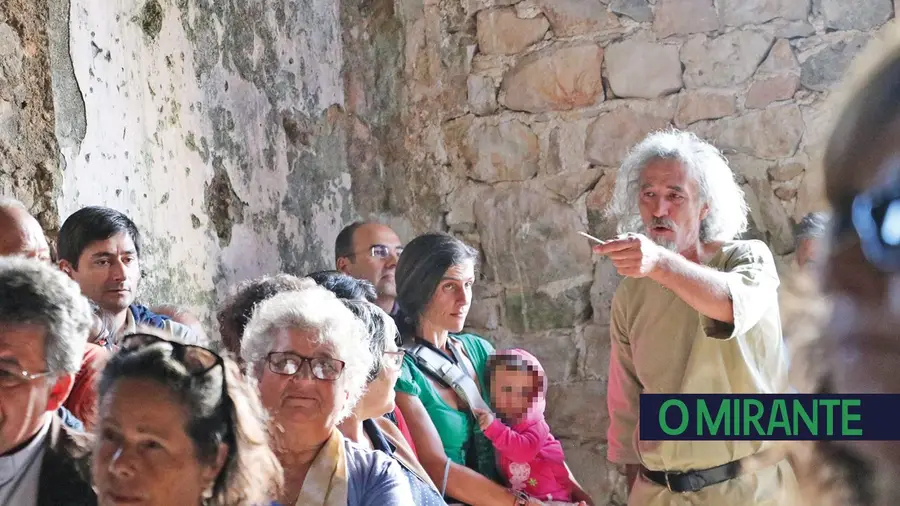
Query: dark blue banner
{"x": 795, "y": 417}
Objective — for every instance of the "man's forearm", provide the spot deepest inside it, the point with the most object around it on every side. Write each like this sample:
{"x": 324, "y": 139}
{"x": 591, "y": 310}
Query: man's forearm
{"x": 704, "y": 289}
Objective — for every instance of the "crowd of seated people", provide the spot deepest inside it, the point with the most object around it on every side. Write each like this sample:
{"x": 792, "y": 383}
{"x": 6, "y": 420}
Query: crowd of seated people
{"x": 306, "y": 396}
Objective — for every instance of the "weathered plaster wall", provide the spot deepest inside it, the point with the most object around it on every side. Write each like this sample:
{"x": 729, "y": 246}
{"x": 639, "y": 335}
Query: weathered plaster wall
{"x": 215, "y": 125}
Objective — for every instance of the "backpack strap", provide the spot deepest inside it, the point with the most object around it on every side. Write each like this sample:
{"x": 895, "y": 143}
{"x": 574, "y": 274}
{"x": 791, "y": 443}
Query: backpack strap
{"x": 437, "y": 366}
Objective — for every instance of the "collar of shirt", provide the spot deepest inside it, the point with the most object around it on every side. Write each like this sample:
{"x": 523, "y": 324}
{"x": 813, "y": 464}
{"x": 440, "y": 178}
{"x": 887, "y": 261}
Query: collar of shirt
{"x": 13, "y": 464}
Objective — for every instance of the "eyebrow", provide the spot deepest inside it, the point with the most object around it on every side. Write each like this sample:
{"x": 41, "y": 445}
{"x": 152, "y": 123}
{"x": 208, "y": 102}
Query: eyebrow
{"x": 448, "y": 278}
{"x": 10, "y": 360}
{"x": 107, "y": 254}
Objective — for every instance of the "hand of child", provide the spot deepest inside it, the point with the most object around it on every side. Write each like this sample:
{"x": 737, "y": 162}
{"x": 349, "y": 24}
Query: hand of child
{"x": 485, "y": 418}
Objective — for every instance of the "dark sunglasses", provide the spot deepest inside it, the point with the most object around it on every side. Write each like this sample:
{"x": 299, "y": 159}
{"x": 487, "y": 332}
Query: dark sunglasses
{"x": 196, "y": 359}
{"x": 874, "y": 216}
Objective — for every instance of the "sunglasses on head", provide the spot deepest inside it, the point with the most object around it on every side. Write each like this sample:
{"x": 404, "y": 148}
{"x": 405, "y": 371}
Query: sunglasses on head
{"x": 196, "y": 359}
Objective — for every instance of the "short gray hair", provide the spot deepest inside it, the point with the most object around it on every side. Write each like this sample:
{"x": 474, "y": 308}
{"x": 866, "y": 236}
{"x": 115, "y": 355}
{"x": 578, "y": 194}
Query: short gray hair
{"x": 33, "y": 293}
{"x": 727, "y": 217}
{"x": 317, "y": 309}
{"x": 812, "y": 226}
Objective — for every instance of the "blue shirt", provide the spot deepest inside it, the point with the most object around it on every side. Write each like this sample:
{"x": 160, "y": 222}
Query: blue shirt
{"x": 375, "y": 479}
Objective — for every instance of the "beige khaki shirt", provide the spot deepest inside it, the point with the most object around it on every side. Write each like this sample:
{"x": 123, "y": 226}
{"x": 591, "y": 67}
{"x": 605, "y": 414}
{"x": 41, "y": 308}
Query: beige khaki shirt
{"x": 660, "y": 344}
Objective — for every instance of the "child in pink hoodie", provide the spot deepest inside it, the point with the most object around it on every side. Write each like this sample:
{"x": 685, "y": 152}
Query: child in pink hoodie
{"x": 529, "y": 456}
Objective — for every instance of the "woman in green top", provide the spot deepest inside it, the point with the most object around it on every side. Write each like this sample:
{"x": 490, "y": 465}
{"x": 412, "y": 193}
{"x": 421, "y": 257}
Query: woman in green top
{"x": 434, "y": 291}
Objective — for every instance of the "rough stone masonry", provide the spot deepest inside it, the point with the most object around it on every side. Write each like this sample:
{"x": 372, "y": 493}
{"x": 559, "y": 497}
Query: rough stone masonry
{"x": 242, "y": 135}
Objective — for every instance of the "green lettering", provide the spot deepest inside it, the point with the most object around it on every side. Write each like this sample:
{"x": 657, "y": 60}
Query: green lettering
{"x": 662, "y": 417}
{"x": 776, "y": 421}
{"x": 737, "y": 418}
{"x": 704, "y": 418}
{"x": 753, "y": 418}
{"x": 811, "y": 423}
{"x": 829, "y": 414}
{"x": 847, "y": 417}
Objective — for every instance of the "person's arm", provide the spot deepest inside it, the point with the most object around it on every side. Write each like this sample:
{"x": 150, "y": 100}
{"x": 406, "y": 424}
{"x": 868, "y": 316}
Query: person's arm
{"x": 623, "y": 389}
{"x": 517, "y": 446}
{"x": 703, "y": 288}
{"x": 463, "y": 483}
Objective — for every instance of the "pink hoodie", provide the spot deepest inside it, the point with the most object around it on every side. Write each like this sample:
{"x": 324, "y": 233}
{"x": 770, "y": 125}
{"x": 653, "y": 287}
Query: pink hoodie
{"x": 529, "y": 456}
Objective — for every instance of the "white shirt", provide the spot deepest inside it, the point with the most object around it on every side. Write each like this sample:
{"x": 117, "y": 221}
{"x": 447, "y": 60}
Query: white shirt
{"x": 20, "y": 472}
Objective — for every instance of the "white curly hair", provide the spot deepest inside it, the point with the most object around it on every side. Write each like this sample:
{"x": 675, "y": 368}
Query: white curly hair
{"x": 313, "y": 308}
{"x": 727, "y": 217}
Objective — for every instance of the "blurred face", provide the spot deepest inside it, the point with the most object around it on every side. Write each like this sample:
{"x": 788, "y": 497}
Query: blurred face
{"x": 21, "y": 234}
{"x": 108, "y": 272}
{"x": 865, "y": 309}
{"x": 144, "y": 455}
{"x": 26, "y": 398}
{"x": 670, "y": 205}
{"x": 301, "y": 403}
{"x": 377, "y": 249}
{"x": 512, "y": 392}
{"x": 379, "y": 397}
{"x": 451, "y": 300}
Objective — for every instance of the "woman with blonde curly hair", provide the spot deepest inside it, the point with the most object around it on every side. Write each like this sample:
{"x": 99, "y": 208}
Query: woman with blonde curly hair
{"x": 178, "y": 424}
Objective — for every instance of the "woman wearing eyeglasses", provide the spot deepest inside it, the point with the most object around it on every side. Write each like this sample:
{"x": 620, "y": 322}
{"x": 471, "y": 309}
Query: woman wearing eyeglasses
{"x": 311, "y": 357}
{"x": 179, "y": 425}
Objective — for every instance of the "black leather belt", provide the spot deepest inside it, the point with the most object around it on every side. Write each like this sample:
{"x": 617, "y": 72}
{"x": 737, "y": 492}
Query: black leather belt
{"x": 692, "y": 481}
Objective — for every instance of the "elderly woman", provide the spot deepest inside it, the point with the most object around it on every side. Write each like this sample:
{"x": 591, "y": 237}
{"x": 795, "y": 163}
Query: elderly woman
{"x": 178, "y": 424}
{"x": 310, "y": 355}
{"x": 848, "y": 338}
{"x": 434, "y": 291}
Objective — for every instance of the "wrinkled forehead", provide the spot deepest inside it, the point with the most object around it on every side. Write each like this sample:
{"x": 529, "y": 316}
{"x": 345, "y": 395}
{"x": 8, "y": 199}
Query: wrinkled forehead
{"x": 303, "y": 341}
{"x": 22, "y": 345}
{"x": 667, "y": 173}
{"x": 373, "y": 233}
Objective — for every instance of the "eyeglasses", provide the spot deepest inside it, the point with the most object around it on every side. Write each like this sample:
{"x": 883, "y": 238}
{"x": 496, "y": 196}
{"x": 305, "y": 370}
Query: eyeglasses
{"x": 382, "y": 251}
{"x": 286, "y": 363}
{"x": 394, "y": 359}
{"x": 13, "y": 376}
{"x": 196, "y": 359}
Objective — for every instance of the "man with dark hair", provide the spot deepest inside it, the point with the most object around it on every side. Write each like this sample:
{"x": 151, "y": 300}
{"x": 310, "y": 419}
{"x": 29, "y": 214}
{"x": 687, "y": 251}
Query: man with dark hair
{"x": 100, "y": 249}
{"x": 44, "y": 324}
{"x": 808, "y": 236}
{"x": 370, "y": 251}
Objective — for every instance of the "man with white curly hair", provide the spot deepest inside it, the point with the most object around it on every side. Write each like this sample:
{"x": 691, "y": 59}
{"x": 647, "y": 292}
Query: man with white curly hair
{"x": 696, "y": 313}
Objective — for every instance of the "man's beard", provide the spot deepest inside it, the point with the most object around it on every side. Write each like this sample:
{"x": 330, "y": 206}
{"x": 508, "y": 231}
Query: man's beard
{"x": 661, "y": 222}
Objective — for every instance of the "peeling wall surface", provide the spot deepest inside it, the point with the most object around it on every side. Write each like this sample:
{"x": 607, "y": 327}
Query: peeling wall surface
{"x": 242, "y": 135}
{"x": 211, "y": 124}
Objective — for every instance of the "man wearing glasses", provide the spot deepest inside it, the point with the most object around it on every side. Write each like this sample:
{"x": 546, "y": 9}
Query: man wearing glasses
{"x": 44, "y": 324}
{"x": 370, "y": 251}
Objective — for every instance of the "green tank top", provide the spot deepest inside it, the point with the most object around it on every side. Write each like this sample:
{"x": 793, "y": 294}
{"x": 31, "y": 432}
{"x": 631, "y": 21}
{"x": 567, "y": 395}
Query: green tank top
{"x": 459, "y": 431}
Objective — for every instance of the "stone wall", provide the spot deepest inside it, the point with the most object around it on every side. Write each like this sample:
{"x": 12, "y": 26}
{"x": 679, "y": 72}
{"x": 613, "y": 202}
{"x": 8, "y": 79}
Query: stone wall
{"x": 242, "y": 135}
{"x": 557, "y": 91}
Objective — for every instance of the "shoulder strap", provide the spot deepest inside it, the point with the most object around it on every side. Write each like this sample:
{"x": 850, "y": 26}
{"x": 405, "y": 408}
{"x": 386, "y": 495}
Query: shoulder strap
{"x": 447, "y": 373}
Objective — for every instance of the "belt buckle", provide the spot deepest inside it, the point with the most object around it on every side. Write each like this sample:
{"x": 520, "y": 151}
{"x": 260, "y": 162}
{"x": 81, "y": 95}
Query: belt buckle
{"x": 668, "y": 483}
